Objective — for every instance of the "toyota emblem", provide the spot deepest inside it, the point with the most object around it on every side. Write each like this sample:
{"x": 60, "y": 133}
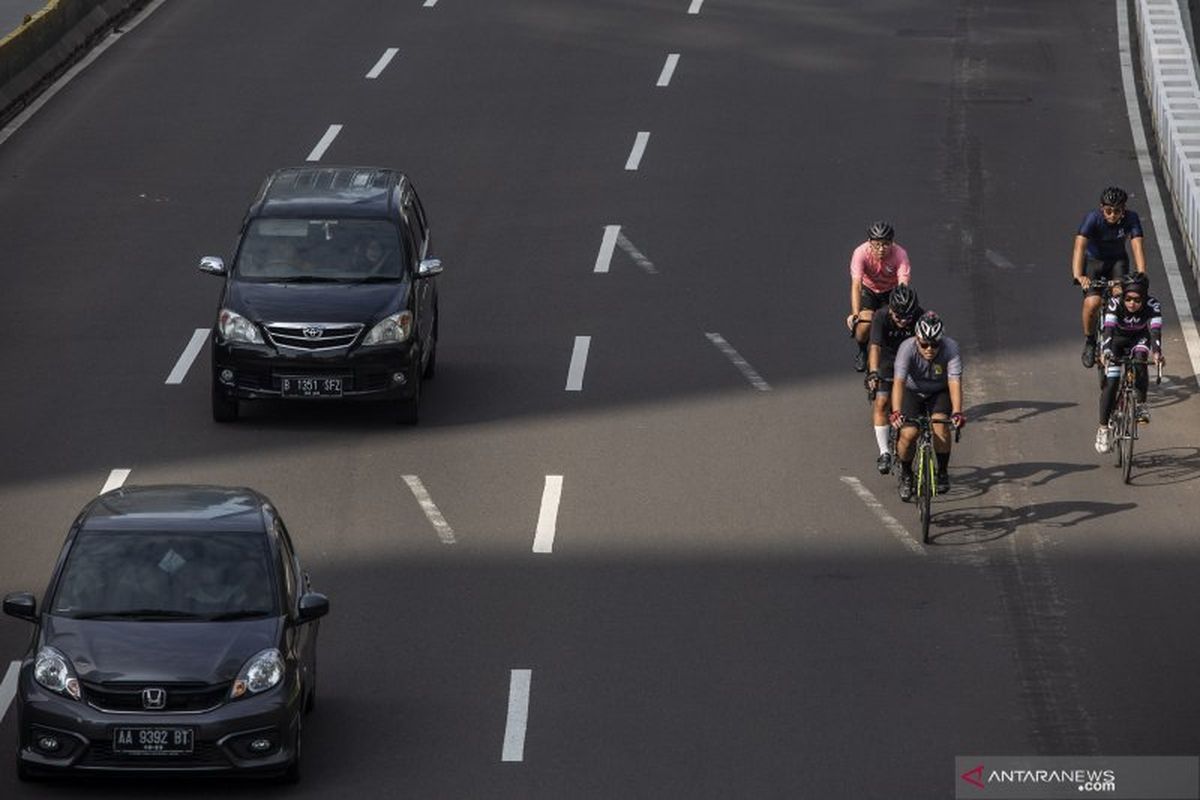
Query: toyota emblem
{"x": 313, "y": 332}
{"x": 154, "y": 698}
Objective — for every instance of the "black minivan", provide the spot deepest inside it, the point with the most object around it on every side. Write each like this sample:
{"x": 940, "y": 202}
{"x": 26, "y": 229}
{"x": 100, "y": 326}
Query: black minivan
{"x": 178, "y": 635}
{"x": 331, "y": 293}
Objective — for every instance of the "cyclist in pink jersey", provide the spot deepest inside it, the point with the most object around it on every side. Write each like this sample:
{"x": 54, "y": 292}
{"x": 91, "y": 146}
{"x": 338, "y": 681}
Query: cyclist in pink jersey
{"x": 876, "y": 267}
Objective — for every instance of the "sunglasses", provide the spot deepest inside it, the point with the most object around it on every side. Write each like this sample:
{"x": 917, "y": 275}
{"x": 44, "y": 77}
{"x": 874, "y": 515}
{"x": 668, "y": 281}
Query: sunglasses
{"x": 927, "y": 345}
{"x": 1113, "y": 211}
{"x": 1132, "y": 298}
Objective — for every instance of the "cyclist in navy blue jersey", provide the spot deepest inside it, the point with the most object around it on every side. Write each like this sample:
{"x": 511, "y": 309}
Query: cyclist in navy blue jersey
{"x": 1132, "y": 326}
{"x": 1100, "y": 252}
{"x": 888, "y": 331}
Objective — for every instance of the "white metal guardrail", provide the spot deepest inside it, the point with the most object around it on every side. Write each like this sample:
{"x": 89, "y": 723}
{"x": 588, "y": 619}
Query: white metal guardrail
{"x": 1168, "y": 70}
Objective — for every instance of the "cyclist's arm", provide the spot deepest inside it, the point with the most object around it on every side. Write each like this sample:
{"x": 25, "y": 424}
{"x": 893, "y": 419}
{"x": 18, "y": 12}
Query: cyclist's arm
{"x": 1077, "y": 260}
{"x": 855, "y": 296}
{"x": 903, "y": 267}
{"x": 897, "y": 394}
{"x": 956, "y": 403}
{"x": 1139, "y": 254}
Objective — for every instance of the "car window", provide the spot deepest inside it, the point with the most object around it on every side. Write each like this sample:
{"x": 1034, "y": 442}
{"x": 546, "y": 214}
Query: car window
{"x": 152, "y": 575}
{"x": 416, "y": 218}
{"x": 320, "y": 250}
{"x": 288, "y": 563}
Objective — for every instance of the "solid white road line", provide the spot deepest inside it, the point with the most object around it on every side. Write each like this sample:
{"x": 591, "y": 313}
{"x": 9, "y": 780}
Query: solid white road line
{"x": 1187, "y": 325}
{"x": 889, "y": 522}
{"x": 518, "y": 715}
{"x": 116, "y": 479}
{"x": 639, "y": 148}
{"x": 323, "y": 145}
{"x": 638, "y": 257}
{"x": 604, "y": 258}
{"x": 742, "y": 364}
{"x": 444, "y": 532}
{"x": 70, "y": 74}
{"x": 998, "y": 260}
{"x": 430, "y": 3}
{"x": 664, "y": 79}
{"x": 199, "y": 337}
{"x": 578, "y": 363}
{"x": 382, "y": 63}
{"x": 695, "y": 7}
{"x": 543, "y": 539}
{"x": 8, "y": 687}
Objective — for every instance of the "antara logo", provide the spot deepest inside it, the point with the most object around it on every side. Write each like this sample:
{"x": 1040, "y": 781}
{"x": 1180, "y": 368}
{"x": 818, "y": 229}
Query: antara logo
{"x": 974, "y": 776}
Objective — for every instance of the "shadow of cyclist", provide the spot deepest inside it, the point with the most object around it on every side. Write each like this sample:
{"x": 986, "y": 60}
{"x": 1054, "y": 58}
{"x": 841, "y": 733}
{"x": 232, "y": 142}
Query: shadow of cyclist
{"x": 965, "y": 526}
{"x": 1013, "y": 411}
{"x": 970, "y": 481}
{"x": 1165, "y": 466}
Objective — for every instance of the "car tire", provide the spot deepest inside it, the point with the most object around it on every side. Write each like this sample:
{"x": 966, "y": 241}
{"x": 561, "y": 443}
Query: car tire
{"x": 409, "y": 411}
{"x": 24, "y": 773}
{"x": 431, "y": 364}
{"x": 224, "y": 409}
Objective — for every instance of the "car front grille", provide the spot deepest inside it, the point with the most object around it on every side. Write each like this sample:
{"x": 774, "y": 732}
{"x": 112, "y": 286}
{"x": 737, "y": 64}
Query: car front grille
{"x": 313, "y": 335}
{"x": 206, "y": 754}
{"x": 180, "y": 697}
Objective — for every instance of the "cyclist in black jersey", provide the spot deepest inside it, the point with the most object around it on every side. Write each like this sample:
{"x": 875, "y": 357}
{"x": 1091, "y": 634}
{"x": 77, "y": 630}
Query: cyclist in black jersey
{"x": 888, "y": 331}
{"x": 1132, "y": 326}
{"x": 1100, "y": 252}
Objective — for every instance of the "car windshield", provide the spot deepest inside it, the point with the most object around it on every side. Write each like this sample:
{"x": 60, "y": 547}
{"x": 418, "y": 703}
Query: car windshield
{"x": 175, "y": 576}
{"x": 320, "y": 250}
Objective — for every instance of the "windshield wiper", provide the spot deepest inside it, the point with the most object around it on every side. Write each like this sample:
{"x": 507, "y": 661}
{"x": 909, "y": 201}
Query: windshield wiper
{"x": 306, "y": 279}
{"x": 138, "y": 613}
{"x": 247, "y": 613}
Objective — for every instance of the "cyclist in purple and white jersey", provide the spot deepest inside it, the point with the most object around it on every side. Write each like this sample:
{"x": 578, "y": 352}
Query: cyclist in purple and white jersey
{"x": 1132, "y": 326}
{"x": 928, "y": 380}
{"x": 1100, "y": 253}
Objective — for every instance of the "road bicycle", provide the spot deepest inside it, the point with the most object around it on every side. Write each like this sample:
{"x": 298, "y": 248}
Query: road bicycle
{"x": 925, "y": 468}
{"x": 1124, "y": 419}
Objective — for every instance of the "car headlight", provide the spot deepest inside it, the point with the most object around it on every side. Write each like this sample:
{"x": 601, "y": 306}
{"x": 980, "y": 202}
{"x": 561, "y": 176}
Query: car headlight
{"x": 53, "y": 671}
{"x": 233, "y": 327}
{"x": 391, "y": 330}
{"x": 260, "y": 673}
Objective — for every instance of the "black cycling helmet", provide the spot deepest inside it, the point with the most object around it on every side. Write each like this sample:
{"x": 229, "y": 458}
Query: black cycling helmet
{"x": 882, "y": 231}
{"x": 903, "y": 301}
{"x": 1135, "y": 282}
{"x": 929, "y": 327}
{"x": 1113, "y": 196}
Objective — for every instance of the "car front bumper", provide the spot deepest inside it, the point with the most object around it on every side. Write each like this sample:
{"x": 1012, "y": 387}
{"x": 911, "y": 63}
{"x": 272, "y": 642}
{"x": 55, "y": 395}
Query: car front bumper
{"x": 221, "y": 737}
{"x": 254, "y": 372}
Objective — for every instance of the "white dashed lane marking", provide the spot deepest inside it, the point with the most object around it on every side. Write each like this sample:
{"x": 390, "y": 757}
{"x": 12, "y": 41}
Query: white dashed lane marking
{"x": 518, "y": 715}
{"x": 430, "y": 3}
{"x": 695, "y": 6}
{"x": 8, "y": 687}
{"x": 330, "y": 134}
{"x": 444, "y": 532}
{"x": 742, "y": 364}
{"x": 891, "y": 523}
{"x": 382, "y": 63}
{"x": 639, "y": 149}
{"x": 607, "y": 243}
{"x": 180, "y": 371}
{"x": 664, "y": 78}
{"x": 116, "y": 479}
{"x": 578, "y": 363}
{"x": 543, "y": 538}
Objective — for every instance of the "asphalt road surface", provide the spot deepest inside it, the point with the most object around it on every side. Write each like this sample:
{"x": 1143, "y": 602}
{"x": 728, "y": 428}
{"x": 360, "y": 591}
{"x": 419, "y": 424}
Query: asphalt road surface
{"x": 662, "y": 566}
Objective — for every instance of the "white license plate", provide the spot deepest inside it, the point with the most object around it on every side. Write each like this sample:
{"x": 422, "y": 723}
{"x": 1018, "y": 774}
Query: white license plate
{"x": 152, "y": 741}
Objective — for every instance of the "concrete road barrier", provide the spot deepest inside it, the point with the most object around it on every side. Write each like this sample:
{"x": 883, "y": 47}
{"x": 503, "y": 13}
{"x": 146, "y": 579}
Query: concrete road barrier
{"x": 41, "y": 48}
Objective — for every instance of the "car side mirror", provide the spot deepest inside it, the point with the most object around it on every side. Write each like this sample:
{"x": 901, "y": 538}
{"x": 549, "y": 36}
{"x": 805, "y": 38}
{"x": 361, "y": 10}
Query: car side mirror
{"x": 313, "y": 605}
{"x": 21, "y": 605}
{"x": 429, "y": 267}
{"x": 213, "y": 265}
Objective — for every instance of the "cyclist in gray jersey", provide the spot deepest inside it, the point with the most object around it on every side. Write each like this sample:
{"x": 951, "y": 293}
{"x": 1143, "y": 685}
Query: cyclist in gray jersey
{"x": 927, "y": 380}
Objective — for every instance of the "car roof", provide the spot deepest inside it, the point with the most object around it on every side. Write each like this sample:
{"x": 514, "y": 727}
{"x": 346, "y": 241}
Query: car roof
{"x": 176, "y": 508}
{"x": 334, "y": 192}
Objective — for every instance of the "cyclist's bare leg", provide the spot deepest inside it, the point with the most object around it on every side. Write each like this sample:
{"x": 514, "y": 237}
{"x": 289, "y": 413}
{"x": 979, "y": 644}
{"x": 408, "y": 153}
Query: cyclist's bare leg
{"x": 1091, "y": 303}
{"x": 941, "y": 433}
{"x": 862, "y": 328}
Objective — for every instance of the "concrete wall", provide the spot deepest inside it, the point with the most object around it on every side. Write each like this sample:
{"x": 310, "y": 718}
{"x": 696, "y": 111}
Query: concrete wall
{"x": 49, "y": 41}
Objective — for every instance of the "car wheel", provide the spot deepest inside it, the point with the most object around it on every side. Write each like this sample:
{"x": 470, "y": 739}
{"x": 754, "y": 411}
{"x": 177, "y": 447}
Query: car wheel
{"x": 224, "y": 409}
{"x": 431, "y": 364}
{"x": 408, "y": 412}
{"x": 24, "y": 774}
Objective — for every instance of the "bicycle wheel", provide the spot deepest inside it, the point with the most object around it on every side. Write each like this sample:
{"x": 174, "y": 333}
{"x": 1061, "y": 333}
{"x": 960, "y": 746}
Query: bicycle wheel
{"x": 925, "y": 489}
{"x": 1126, "y": 443}
{"x": 1119, "y": 424}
